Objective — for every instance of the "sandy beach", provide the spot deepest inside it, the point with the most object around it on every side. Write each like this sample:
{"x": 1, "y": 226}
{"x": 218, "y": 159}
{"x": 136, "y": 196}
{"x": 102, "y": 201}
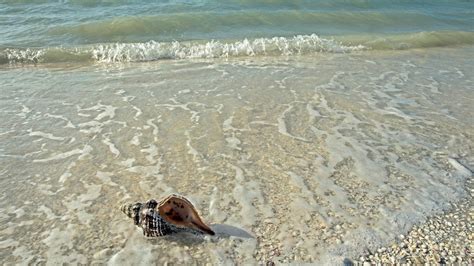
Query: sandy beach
{"x": 446, "y": 238}
{"x": 315, "y": 162}
{"x": 321, "y": 132}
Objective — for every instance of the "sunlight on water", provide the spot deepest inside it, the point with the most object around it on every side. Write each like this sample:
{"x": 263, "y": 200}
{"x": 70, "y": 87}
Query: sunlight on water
{"x": 303, "y": 131}
{"x": 313, "y": 158}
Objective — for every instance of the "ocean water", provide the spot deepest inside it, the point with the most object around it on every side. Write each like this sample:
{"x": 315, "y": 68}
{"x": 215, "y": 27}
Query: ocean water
{"x": 303, "y": 131}
{"x": 85, "y": 30}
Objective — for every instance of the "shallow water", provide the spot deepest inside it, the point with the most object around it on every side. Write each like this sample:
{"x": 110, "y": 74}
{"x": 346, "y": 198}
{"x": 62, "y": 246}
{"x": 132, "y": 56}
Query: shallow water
{"x": 316, "y": 157}
{"x": 87, "y": 31}
{"x": 48, "y": 23}
{"x": 303, "y": 131}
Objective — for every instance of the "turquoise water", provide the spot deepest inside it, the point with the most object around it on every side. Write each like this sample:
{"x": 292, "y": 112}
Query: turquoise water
{"x": 42, "y": 31}
{"x": 319, "y": 129}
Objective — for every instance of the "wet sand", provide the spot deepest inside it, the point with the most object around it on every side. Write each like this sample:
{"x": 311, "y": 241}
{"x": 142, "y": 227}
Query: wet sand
{"x": 298, "y": 159}
{"x": 445, "y": 238}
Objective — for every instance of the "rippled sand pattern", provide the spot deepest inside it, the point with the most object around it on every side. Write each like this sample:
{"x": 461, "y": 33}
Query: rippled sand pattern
{"x": 316, "y": 157}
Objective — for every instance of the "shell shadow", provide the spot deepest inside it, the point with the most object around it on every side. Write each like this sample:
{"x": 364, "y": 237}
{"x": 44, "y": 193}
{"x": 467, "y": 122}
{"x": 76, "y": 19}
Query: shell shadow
{"x": 225, "y": 230}
{"x": 189, "y": 239}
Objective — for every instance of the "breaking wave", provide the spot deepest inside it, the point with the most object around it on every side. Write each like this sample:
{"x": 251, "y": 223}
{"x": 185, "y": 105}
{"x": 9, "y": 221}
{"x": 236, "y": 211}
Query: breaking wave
{"x": 152, "y": 51}
{"x": 276, "y": 46}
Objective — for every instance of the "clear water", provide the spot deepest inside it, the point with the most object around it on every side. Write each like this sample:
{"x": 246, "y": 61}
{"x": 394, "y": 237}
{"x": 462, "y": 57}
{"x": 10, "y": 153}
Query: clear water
{"x": 303, "y": 131}
{"x": 43, "y": 31}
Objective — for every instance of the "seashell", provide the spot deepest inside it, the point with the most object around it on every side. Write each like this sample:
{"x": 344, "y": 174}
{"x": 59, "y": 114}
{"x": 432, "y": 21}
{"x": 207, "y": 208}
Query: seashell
{"x": 177, "y": 210}
{"x": 175, "y": 214}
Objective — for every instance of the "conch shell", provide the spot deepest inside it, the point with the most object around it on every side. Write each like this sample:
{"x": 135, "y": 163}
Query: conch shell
{"x": 175, "y": 214}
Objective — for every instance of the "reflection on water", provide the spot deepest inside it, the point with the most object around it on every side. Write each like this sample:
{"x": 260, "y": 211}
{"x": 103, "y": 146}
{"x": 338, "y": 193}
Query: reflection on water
{"x": 300, "y": 159}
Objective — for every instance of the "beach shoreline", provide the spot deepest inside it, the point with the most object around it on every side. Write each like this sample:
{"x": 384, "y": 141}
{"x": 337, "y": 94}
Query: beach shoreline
{"x": 443, "y": 238}
{"x": 305, "y": 153}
